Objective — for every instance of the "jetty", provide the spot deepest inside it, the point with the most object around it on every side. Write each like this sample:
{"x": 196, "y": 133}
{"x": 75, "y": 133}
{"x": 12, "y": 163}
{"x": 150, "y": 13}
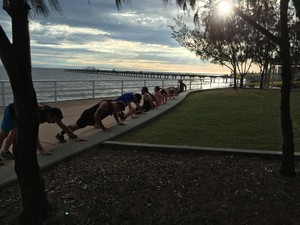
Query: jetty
{"x": 148, "y": 74}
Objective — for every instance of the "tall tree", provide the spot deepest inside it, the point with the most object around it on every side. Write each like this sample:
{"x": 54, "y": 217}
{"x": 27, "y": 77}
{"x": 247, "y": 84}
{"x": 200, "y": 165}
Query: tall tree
{"x": 283, "y": 41}
{"x": 266, "y": 53}
{"x": 16, "y": 58}
{"x": 297, "y": 7}
{"x": 219, "y": 41}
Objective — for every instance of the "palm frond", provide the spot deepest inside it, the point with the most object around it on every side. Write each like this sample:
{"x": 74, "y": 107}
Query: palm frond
{"x": 119, "y": 3}
{"x": 44, "y": 8}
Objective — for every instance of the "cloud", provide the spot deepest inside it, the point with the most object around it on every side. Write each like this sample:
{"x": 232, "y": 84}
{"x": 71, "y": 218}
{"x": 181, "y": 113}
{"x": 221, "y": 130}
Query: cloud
{"x": 136, "y": 37}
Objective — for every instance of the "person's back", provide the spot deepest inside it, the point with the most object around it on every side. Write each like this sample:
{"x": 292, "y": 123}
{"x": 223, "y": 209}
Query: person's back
{"x": 126, "y": 97}
{"x": 149, "y": 100}
{"x": 161, "y": 96}
{"x": 104, "y": 109}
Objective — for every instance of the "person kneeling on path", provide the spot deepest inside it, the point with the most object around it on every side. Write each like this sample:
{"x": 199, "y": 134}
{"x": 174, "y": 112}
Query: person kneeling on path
{"x": 161, "y": 96}
{"x": 148, "y": 99}
{"x": 8, "y": 131}
{"x": 128, "y": 98}
{"x": 94, "y": 115}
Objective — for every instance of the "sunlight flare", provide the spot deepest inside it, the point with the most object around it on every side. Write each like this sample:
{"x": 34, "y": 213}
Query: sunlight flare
{"x": 225, "y": 8}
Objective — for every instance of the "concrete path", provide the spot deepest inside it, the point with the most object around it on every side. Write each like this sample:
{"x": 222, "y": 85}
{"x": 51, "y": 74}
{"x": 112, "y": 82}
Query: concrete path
{"x": 94, "y": 137}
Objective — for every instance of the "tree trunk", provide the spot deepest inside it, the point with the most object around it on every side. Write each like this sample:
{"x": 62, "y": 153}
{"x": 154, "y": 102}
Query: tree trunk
{"x": 288, "y": 158}
{"x": 263, "y": 74}
{"x": 234, "y": 77}
{"x": 242, "y": 81}
{"x": 17, "y": 62}
{"x": 261, "y": 84}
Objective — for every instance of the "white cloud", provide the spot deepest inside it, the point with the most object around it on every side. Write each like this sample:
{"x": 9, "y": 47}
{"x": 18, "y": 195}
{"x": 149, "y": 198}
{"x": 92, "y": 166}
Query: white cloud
{"x": 59, "y": 29}
{"x": 136, "y": 37}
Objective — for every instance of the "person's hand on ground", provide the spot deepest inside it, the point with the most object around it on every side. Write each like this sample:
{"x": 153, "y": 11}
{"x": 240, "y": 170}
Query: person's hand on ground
{"x": 79, "y": 139}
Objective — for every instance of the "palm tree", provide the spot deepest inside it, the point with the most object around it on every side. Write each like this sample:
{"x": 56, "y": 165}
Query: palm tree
{"x": 16, "y": 58}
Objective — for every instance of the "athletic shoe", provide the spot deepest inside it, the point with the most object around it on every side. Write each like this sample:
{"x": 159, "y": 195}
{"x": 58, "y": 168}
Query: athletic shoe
{"x": 60, "y": 138}
{"x": 6, "y": 155}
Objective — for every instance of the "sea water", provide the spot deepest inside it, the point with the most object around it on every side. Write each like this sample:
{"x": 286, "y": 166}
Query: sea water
{"x": 56, "y": 84}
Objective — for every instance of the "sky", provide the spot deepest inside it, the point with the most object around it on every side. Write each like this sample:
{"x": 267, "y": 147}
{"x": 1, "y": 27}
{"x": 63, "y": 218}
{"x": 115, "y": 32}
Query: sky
{"x": 137, "y": 38}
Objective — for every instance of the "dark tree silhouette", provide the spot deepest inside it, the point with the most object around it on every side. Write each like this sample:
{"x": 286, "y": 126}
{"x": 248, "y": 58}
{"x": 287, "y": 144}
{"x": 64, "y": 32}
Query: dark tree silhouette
{"x": 220, "y": 42}
{"x": 282, "y": 40}
{"x": 16, "y": 58}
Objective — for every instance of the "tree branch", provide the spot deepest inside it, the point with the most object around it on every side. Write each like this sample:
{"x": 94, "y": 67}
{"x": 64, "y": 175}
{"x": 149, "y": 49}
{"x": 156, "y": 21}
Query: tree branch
{"x": 258, "y": 27}
{"x": 297, "y": 7}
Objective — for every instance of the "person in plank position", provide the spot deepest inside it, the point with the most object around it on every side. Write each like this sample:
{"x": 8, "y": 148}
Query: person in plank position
{"x": 46, "y": 114}
{"x": 94, "y": 115}
{"x": 129, "y": 98}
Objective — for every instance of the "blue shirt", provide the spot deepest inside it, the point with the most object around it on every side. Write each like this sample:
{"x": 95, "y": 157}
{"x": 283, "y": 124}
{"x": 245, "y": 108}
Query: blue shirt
{"x": 126, "y": 97}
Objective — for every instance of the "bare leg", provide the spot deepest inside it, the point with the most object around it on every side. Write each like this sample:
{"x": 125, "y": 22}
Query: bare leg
{"x": 8, "y": 137}
{"x": 73, "y": 127}
{"x": 3, "y": 135}
{"x": 9, "y": 140}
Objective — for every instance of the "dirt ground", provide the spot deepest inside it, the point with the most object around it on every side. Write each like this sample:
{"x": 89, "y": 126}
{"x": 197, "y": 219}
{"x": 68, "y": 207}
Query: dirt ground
{"x": 108, "y": 187}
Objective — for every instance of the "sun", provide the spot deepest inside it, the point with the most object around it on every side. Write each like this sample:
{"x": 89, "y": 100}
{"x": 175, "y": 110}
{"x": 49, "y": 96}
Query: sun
{"x": 225, "y": 8}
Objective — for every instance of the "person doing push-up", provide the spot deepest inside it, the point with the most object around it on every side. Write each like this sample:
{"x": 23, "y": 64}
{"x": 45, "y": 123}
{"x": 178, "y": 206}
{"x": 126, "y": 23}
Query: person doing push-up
{"x": 94, "y": 115}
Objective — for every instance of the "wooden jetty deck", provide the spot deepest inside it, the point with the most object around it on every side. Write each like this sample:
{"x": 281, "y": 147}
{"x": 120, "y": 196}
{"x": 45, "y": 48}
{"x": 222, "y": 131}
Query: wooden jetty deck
{"x": 147, "y": 74}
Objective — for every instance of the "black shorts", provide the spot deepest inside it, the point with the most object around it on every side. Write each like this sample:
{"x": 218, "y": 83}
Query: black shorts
{"x": 146, "y": 106}
{"x": 86, "y": 119}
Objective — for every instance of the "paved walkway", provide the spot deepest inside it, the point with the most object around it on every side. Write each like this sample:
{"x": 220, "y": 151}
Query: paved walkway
{"x": 94, "y": 137}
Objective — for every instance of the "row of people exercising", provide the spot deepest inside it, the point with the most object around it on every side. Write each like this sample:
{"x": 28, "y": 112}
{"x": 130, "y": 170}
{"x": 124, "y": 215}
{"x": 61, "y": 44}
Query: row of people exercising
{"x": 92, "y": 116}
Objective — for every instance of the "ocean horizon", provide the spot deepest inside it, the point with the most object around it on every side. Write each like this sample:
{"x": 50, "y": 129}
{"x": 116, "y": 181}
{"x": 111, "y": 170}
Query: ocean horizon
{"x": 41, "y": 73}
{"x": 56, "y": 84}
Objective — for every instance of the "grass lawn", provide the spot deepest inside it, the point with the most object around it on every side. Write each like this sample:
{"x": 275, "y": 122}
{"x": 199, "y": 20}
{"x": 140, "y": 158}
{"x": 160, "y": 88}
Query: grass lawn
{"x": 225, "y": 118}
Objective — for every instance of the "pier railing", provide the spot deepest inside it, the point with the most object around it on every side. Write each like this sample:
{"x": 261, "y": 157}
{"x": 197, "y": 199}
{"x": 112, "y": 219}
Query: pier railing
{"x": 64, "y": 90}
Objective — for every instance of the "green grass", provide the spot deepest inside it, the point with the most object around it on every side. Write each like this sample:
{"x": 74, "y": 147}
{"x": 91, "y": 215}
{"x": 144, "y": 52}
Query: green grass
{"x": 225, "y": 118}
{"x": 296, "y": 84}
